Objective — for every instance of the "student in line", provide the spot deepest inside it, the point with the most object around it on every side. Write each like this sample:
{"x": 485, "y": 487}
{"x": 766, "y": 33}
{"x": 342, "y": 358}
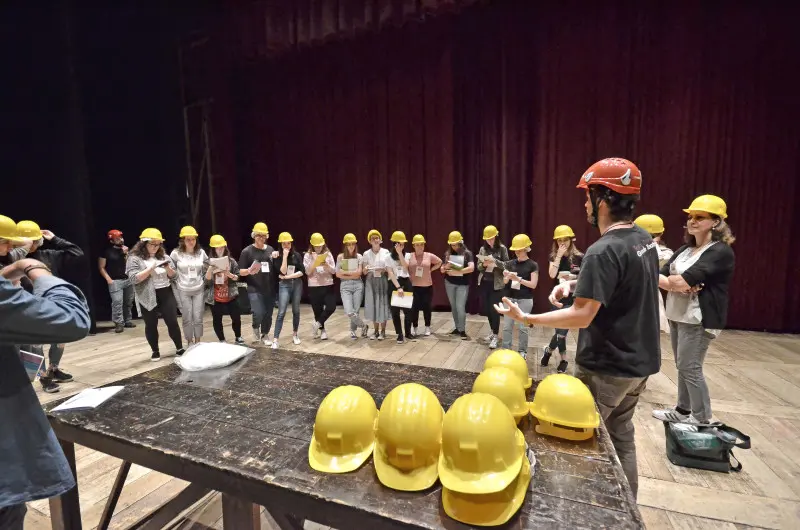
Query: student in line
{"x": 151, "y": 271}
{"x": 190, "y": 262}
{"x": 320, "y": 268}
{"x": 290, "y": 288}
{"x": 654, "y": 226}
{"x": 696, "y": 279}
{"x": 397, "y": 274}
{"x": 491, "y": 263}
{"x": 112, "y": 268}
{"x": 221, "y": 290}
{"x": 521, "y": 277}
{"x": 256, "y": 267}
{"x": 351, "y": 287}
{"x": 420, "y": 266}
{"x": 376, "y": 297}
{"x": 565, "y": 264}
{"x": 458, "y": 265}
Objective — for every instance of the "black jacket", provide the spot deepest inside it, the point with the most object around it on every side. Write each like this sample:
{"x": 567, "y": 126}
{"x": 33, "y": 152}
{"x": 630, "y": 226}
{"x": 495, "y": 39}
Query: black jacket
{"x": 714, "y": 269}
{"x": 54, "y": 257}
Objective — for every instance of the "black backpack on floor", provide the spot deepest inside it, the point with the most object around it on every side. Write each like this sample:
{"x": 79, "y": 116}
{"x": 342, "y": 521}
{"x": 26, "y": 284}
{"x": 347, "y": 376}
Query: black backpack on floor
{"x": 704, "y": 446}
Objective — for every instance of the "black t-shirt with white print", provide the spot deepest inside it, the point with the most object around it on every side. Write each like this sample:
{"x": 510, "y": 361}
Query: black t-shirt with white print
{"x": 620, "y": 271}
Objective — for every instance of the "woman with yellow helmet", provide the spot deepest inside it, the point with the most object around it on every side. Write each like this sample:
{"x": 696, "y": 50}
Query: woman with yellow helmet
{"x": 320, "y": 268}
{"x": 376, "y": 293}
{"x": 420, "y": 266}
{"x": 492, "y": 257}
{"x": 351, "y": 288}
{"x": 521, "y": 276}
{"x": 290, "y": 288}
{"x": 565, "y": 264}
{"x": 458, "y": 265}
{"x": 399, "y": 280}
{"x": 696, "y": 279}
{"x": 654, "y": 226}
{"x": 221, "y": 289}
{"x": 190, "y": 263}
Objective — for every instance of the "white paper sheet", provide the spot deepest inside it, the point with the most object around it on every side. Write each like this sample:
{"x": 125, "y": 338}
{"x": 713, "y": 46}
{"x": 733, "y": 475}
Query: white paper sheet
{"x": 88, "y": 399}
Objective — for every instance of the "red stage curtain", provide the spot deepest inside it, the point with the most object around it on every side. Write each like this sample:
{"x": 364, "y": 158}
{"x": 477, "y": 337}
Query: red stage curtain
{"x": 492, "y": 116}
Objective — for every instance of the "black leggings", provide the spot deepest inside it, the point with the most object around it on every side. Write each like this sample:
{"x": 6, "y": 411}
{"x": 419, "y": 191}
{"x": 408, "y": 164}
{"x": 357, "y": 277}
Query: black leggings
{"x": 323, "y": 303}
{"x": 165, "y": 303}
{"x": 490, "y": 298}
{"x": 559, "y": 338}
{"x": 423, "y": 301}
{"x": 235, "y": 312}
{"x": 405, "y": 283}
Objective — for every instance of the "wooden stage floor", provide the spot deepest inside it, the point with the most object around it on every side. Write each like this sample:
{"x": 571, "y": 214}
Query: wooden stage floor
{"x": 754, "y": 380}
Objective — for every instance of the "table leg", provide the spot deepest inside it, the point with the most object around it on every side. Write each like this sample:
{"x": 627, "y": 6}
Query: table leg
{"x": 238, "y": 514}
{"x": 111, "y": 504}
{"x": 65, "y": 510}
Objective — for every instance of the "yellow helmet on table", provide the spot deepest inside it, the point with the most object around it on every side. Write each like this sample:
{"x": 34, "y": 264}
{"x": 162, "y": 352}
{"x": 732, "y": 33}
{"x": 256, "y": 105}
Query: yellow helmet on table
{"x": 149, "y": 234}
{"x": 317, "y": 240}
{"x": 344, "y": 430}
{"x": 490, "y": 231}
{"x": 482, "y": 449}
{"x": 398, "y": 237}
{"x": 260, "y": 229}
{"x": 511, "y": 360}
{"x": 505, "y": 385}
{"x": 565, "y": 408}
{"x": 29, "y": 230}
{"x": 563, "y": 231}
{"x": 285, "y": 237}
{"x": 8, "y": 230}
{"x": 709, "y": 204}
{"x": 188, "y": 231}
{"x": 349, "y": 238}
{"x": 520, "y": 242}
{"x": 217, "y": 241}
{"x": 455, "y": 237}
{"x": 418, "y": 239}
{"x": 408, "y": 438}
{"x": 651, "y": 223}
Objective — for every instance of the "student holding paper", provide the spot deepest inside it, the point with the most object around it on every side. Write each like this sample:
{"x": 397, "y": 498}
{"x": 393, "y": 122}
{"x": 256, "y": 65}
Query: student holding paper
{"x": 491, "y": 263}
{"x": 290, "y": 288}
{"x": 521, "y": 276}
{"x": 151, "y": 271}
{"x": 458, "y": 265}
{"x": 351, "y": 288}
{"x": 320, "y": 268}
{"x": 399, "y": 286}
{"x": 420, "y": 267}
{"x": 190, "y": 261}
{"x": 221, "y": 289}
{"x": 376, "y": 299}
{"x": 255, "y": 266}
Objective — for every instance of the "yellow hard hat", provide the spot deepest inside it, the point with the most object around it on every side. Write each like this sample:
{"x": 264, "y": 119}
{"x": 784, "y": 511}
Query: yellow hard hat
{"x": 399, "y": 237}
{"x": 490, "y": 231}
{"x": 29, "y": 230}
{"x": 511, "y": 360}
{"x": 490, "y": 509}
{"x": 653, "y": 224}
{"x": 8, "y": 230}
{"x": 317, "y": 240}
{"x": 565, "y": 408}
{"x": 418, "y": 239}
{"x": 285, "y": 237}
{"x": 374, "y": 232}
{"x": 504, "y": 384}
{"x": 349, "y": 238}
{"x": 151, "y": 233}
{"x": 217, "y": 241}
{"x": 563, "y": 231}
{"x": 344, "y": 430}
{"x": 408, "y": 438}
{"x": 188, "y": 231}
{"x": 260, "y": 228}
{"x": 454, "y": 237}
{"x": 520, "y": 242}
{"x": 482, "y": 449}
{"x": 709, "y": 204}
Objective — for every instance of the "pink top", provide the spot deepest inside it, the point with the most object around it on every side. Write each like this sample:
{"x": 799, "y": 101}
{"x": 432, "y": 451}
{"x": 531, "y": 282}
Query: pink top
{"x": 420, "y": 273}
{"x": 318, "y": 276}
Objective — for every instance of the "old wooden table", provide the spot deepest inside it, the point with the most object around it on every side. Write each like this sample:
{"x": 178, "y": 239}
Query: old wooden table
{"x": 244, "y": 431}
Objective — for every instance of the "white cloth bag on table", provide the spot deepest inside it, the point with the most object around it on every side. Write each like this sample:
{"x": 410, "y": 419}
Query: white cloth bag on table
{"x": 208, "y": 355}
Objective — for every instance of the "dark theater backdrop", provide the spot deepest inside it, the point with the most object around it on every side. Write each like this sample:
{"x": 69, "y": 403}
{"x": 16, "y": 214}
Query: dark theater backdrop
{"x": 432, "y": 115}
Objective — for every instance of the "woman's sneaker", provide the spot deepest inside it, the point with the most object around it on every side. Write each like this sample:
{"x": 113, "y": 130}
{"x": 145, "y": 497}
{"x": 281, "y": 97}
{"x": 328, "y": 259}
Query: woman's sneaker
{"x": 493, "y": 342}
{"x": 427, "y": 331}
{"x": 562, "y": 367}
{"x": 400, "y": 339}
{"x": 239, "y": 341}
{"x": 546, "y": 356}
{"x": 48, "y": 385}
{"x": 323, "y": 335}
{"x": 295, "y": 340}
{"x": 353, "y": 335}
{"x": 155, "y": 357}
{"x": 672, "y": 415}
{"x": 382, "y": 336}
{"x": 274, "y": 344}
{"x": 365, "y": 332}
{"x": 315, "y": 329}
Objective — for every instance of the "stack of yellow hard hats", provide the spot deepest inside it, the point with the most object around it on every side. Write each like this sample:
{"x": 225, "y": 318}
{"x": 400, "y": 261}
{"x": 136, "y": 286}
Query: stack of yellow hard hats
{"x": 483, "y": 464}
{"x": 511, "y": 360}
{"x": 505, "y": 385}
{"x": 565, "y": 408}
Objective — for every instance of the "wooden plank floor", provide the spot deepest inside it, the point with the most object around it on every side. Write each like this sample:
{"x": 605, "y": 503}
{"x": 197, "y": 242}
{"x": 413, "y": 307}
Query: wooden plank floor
{"x": 754, "y": 380}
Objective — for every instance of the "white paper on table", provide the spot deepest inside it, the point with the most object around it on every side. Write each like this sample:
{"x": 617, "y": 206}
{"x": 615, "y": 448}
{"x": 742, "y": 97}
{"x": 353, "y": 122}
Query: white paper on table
{"x": 405, "y": 301}
{"x": 88, "y": 399}
{"x": 208, "y": 355}
{"x": 222, "y": 263}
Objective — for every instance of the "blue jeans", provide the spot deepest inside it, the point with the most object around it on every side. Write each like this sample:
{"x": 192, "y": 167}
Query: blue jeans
{"x": 526, "y": 305}
{"x": 457, "y": 296}
{"x": 289, "y": 291}
{"x": 352, "y": 292}
{"x": 121, "y": 292}
{"x": 262, "y": 306}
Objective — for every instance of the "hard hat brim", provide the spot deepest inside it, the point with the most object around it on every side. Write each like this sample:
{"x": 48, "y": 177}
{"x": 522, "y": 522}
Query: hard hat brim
{"x": 328, "y": 463}
{"x": 482, "y": 483}
{"x": 418, "y": 479}
{"x": 489, "y": 510}
{"x": 720, "y": 215}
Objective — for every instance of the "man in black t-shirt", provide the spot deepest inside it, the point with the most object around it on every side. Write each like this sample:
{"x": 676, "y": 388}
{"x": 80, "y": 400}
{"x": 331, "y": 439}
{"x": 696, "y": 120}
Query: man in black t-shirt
{"x": 256, "y": 268}
{"x": 112, "y": 269}
{"x": 615, "y": 307}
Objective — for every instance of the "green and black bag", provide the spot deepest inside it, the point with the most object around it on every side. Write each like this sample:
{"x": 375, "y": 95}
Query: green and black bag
{"x": 704, "y": 446}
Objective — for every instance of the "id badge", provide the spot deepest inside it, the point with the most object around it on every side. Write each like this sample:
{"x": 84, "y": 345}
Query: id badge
{"x": 265, "y": 266}
{"x": 219, "y": 279}
{"x": 289, "y": 270}
{"x": 418, "y": 272}
{"x": 515, "y": 285}
{"x": 320, "y": 270}
{"x": 192, "y": 271}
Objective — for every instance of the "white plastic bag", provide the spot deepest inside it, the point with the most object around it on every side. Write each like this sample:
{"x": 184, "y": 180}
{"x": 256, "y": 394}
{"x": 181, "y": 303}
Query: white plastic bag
{"x": 209, "y": 355}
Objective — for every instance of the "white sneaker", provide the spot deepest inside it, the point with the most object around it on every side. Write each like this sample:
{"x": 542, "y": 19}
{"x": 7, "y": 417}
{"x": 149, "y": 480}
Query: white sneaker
{"x": 274, "y": 344}
{"x": 314, "y": 329}
{"x": 427, "y": 331}
{"x": 365, "y": 331}
{"x": 673, "y": 415}
{"x": 353, "y": 335}
{"x": 323, "y": 335}
{"x": 382, "y": 335}
{"x": 493, "y": 342}
{"x": 266, "y": 340}
{"x": 488, "y": 337}
{"x": 524, "y": 355}
{"x": 256, "y": 336}
{"x": 413, "y": 330}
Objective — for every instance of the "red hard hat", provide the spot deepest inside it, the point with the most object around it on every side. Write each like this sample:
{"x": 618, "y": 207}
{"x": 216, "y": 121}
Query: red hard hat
{"x": 114, "y": 233}
{"x": 617, "y": 174}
